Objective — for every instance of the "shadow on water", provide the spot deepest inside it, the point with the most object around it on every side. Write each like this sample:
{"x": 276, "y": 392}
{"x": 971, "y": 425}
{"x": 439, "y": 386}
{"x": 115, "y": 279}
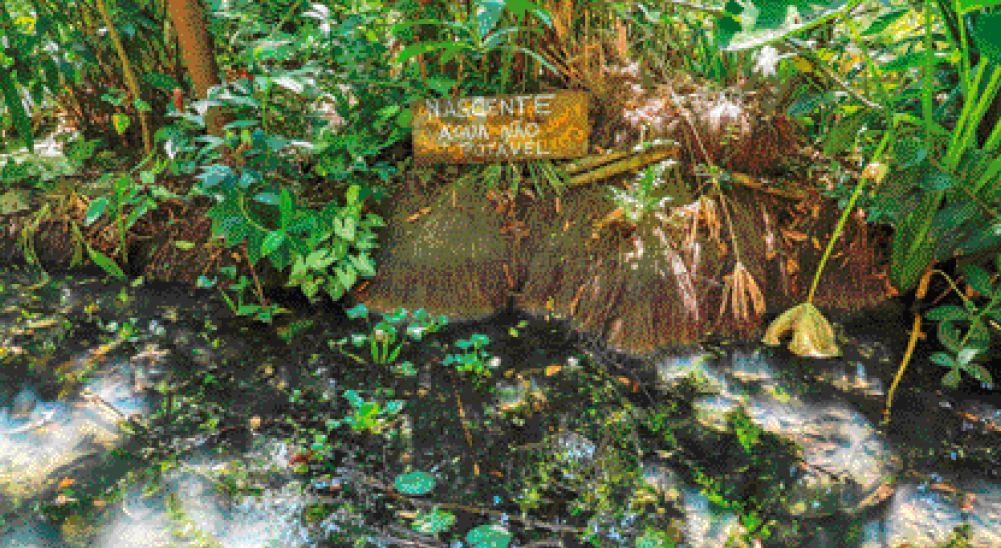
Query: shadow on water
{"x": 151, "y": 416}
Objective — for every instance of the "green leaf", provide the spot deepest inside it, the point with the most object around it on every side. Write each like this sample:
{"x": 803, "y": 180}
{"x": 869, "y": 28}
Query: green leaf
{"x": 489, "y": 536}
{"x": 363, "y": 264}
{"x": 947, "y": 312}
{"x": 353, "y": 398}
{"x": 985, "y": 34}
{"x": 367, "y": 410}
{"x": 981, "y": 374}
{"x": 415, "y": 483}
{"x": 286, "y": 206}
{"x": 420, "y": 48}
{"x": 979, "y": 279}
{"x": 951, "y": 378}
{"x": 353, "y": 193}
{"x": 488, "y": 13}
{"x": 346, "y": 276}
{"x": 160, "y": 81}
{"x": 345, "y": 228}
{"x": 120, "y": 122}
{"x": 943, "y": 359}
{"x": 394, "y": 407}
{"x": 885, "y": 20}
{"x": 22, "y": 123}
{"x": 95, "y": 210}
{"x": 966, "y": 6}
{"x": 779, "y": 19}
{"x": 949, "y": 336}
{"x": 103, "y": 261}
{"x": 271, "y": 243}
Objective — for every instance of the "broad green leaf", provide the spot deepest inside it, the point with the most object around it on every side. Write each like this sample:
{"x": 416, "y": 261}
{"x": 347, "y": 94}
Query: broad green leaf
{"x": 271, "y": 242}
{"x": 949, "y": 336}
{"x": 980, "y": 280}
{"x": 183, "y": 245}
{"x": 885, "y": 20}
{"x": 352, "y": 194}
{"x": 346, "y": 276}
{"x": 334, "y": 289}
{"x": 489, "y": 536}
{"x": 120, "y": 123}
{"x": 985, "y": 34}
{"x": 368, "y": 410}
{"x": 951, "y": 378}
{"x": 947, "y": 312}
{"x": 978, "y": 337}
{"x": 420, "y": 48}
{"x": 22, "y": 123}
{"x": 345, "y": 228}
{"x": 269, "y": 198}
{"x": 415, "y": 483}
{"x": 363, "y": 264}
{"x": 943, "y": 359}
{"x": 103, "y": 261}
{"x": 966, "y": 6}
{"x": 96, "y": 209}
{"x": 160, "y": 81}
{"x": 981, "y": 374}
{"x": 286, "y": 206}
{"x": 767, "y": 21}
{"x": 488, "y": 13}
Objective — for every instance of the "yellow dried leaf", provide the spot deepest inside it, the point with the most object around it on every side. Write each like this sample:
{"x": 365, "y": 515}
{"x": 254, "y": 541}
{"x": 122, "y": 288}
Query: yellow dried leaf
{"x": 812, "y": 334}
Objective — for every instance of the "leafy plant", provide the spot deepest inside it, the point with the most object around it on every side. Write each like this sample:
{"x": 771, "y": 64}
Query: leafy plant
{"x": 327, "y": 248}
{"x": 125, "y": 192}
{"x": 474, "y": 359}
{"x": 964, "y": 348}
{"x": 262, "y": 312}
{"x": 643, "y": 197}
{"x": 384, "y": 334}
{"x": 475, "y": 38}
{"x": 368, "y": 416}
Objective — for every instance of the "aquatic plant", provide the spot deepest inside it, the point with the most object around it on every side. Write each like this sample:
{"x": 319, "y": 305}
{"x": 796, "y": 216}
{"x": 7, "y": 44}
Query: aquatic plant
{"x": 474, "y": 359}
{"x": 384, "y": 334}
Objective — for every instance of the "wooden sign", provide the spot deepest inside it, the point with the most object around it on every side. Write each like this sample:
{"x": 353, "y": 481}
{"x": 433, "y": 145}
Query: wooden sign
{"x": 500, "y": 128}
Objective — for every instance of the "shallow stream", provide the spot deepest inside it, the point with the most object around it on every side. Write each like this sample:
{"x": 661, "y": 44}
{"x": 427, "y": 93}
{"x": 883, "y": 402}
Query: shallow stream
{"x": 563, "y": 443}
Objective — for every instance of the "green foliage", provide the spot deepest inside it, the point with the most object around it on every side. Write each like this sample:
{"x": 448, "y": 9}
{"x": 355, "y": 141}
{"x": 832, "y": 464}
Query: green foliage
{"x": 474, "y": 38}
{"x": 645, "y": 196}
{"x": 474, "y": 359}
{"x": 328, "y": 248}
{"x": 368, "y": 416}
{"x": 384, "y": 334}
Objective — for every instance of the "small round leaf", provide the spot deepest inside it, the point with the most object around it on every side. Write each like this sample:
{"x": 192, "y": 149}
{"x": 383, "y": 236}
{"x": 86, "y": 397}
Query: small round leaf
{"x": 489, "y": 536}
{"x": 415, "y": 483}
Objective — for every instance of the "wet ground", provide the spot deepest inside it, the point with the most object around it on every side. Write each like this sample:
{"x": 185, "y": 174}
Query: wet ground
{"x": 275, "y": 435}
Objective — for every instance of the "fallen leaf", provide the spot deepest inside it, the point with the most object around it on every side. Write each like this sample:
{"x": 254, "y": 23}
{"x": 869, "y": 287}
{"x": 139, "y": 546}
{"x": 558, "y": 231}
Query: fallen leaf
{"x": 812, "y": 334}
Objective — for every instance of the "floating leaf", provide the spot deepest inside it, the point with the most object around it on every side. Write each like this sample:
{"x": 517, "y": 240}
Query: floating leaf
{"x": 812, "y": 334}
{"x": 489, "y": 536}
{"x": 415, "y": 483}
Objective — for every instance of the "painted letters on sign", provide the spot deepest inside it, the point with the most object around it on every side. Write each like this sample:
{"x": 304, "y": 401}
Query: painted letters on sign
{"x": 500, "y": 128}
